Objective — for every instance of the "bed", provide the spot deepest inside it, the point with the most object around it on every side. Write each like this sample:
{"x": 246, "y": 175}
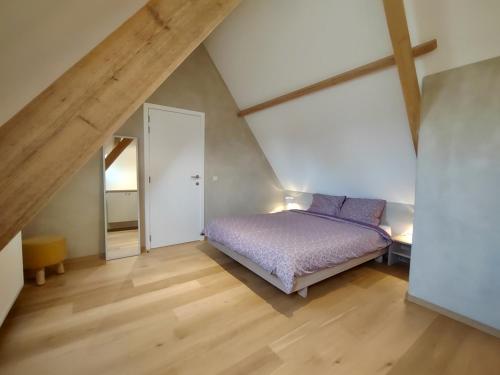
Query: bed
{"x": 295, "y": 249}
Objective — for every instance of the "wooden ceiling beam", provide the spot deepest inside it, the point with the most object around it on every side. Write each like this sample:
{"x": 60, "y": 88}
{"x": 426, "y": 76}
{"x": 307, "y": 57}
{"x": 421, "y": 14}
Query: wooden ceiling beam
{"x": 116, "y": 152}
{"x": 358, "y": 72}
{"x": 401, "y": 44}
{"x": 53, "y": 136}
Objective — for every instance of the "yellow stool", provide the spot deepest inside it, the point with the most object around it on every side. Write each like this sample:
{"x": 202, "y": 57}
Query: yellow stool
{"x": 43, "y": 251}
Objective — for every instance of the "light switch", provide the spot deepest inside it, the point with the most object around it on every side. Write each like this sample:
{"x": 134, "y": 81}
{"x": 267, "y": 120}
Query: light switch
{"x": 215, "y": 178}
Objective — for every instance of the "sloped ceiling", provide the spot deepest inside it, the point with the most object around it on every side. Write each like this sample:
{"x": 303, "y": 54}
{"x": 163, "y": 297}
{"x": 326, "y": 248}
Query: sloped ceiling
{"x": 351, "y": 139}
{"x": 40, "y": 40}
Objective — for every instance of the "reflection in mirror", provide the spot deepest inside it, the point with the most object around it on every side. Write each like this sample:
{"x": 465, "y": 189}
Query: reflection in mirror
{"x": 121, "y": 198}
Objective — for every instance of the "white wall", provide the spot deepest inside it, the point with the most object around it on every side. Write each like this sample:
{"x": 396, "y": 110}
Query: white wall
{"x": 351, "y": 139}
{"x": 467, "y": 31}
{"x": 11, "y": 275}
{"x": 122, "y": 174}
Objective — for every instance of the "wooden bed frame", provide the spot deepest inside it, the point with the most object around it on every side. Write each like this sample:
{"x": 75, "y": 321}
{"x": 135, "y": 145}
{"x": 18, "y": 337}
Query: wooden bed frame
{"x": 301, "y": 282}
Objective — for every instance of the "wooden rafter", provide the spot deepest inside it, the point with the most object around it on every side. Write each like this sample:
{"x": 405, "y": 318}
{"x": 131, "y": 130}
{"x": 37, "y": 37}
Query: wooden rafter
{"x": 401, "y": 44}
{"x": 116, "y": 152}
{"x": 360, "y": 71}
{"x": 57, "y": 133}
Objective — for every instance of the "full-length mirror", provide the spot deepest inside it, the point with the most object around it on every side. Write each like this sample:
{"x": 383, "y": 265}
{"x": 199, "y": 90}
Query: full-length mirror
{"x": 121, "y": 197}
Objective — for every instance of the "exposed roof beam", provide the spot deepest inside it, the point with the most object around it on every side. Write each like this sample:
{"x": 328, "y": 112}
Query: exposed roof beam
{"x": 57, "y": 133}
{"x": 116, "y": 152}
{"x": 360, "y": 71}
{"x": 400, "y": 38}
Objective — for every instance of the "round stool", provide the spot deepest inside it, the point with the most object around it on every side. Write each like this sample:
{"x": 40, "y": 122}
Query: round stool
{"x": 43, "y": 251}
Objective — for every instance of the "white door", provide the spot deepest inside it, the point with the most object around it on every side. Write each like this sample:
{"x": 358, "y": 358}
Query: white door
{"x": 175, "y": 162}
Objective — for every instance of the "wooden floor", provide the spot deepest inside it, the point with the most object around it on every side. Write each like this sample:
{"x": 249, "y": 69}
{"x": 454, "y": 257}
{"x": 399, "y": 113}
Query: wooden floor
{"x": 191, "y": 310}
{"x": 122, "y": 243}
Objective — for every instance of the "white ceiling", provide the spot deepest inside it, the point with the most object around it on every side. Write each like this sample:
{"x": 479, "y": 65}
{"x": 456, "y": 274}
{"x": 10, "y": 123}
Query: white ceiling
{"x": 351, "y": 139}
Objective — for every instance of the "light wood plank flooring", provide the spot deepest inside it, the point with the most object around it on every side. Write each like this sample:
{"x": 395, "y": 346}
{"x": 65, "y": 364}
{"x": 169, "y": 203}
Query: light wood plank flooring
{"x": 189, "y": 309}
{"x": 123, "y": 243}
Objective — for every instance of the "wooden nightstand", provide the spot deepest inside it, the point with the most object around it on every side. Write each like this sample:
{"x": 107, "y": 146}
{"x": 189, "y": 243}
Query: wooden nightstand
{"x": 400, "y": 250}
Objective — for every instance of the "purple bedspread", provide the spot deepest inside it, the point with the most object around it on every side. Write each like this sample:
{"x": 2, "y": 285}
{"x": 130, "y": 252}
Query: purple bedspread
{"x": 294, "y": 243}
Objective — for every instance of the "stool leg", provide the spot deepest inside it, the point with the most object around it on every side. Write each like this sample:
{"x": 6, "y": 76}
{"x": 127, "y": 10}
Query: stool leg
{"x": 60, "y": 268}
{"x": 40, "y": 276}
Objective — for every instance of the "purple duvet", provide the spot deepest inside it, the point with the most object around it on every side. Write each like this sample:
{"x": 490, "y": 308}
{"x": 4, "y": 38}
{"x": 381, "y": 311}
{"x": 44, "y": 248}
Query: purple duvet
{"x": 295, "y": 243}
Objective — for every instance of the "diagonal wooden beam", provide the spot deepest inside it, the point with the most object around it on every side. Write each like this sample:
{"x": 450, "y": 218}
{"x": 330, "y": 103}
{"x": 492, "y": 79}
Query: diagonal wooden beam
{"x": 401, "y": 44}
{"x": 57, "y": 133}
{"x": 374, "y": 66}
{"x": 116, "y": 152}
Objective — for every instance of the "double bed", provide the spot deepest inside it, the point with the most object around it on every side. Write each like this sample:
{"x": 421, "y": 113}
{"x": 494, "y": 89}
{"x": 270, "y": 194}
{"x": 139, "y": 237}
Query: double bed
{"x": 295, "y": 249}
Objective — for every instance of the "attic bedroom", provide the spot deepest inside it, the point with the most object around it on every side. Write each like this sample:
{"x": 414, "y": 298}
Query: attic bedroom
{"x": 249, "y": 186}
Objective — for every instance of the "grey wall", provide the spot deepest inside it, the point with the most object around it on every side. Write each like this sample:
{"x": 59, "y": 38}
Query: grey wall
{"x": 246, "y": 182}
{"x": 456, "y": 243}
{"x": 76, "y": 212}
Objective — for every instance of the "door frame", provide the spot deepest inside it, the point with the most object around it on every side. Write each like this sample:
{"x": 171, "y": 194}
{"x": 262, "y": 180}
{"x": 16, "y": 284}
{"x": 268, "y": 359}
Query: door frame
{"x": 147, "y": 199}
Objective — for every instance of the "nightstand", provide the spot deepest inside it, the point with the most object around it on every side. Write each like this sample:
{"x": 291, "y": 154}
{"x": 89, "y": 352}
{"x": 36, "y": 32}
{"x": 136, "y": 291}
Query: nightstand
{"x": 400, "y": 249}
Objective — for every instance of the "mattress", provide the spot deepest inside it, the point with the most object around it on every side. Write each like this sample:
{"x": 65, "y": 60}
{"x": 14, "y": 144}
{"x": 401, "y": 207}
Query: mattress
{"x": 294, "y": 243}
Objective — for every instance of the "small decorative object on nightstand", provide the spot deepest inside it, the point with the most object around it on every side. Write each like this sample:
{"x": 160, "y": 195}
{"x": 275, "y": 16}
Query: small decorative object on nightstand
{"x": 400, "y": 250}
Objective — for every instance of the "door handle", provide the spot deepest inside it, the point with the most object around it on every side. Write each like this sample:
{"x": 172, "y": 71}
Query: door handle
{"x": 196, "y": 177}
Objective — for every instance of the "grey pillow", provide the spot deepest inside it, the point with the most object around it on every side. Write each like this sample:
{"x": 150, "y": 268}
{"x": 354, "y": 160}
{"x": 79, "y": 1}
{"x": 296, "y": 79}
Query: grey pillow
{"x": 364, "y": 210}
{"x": 326, "y": 204}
